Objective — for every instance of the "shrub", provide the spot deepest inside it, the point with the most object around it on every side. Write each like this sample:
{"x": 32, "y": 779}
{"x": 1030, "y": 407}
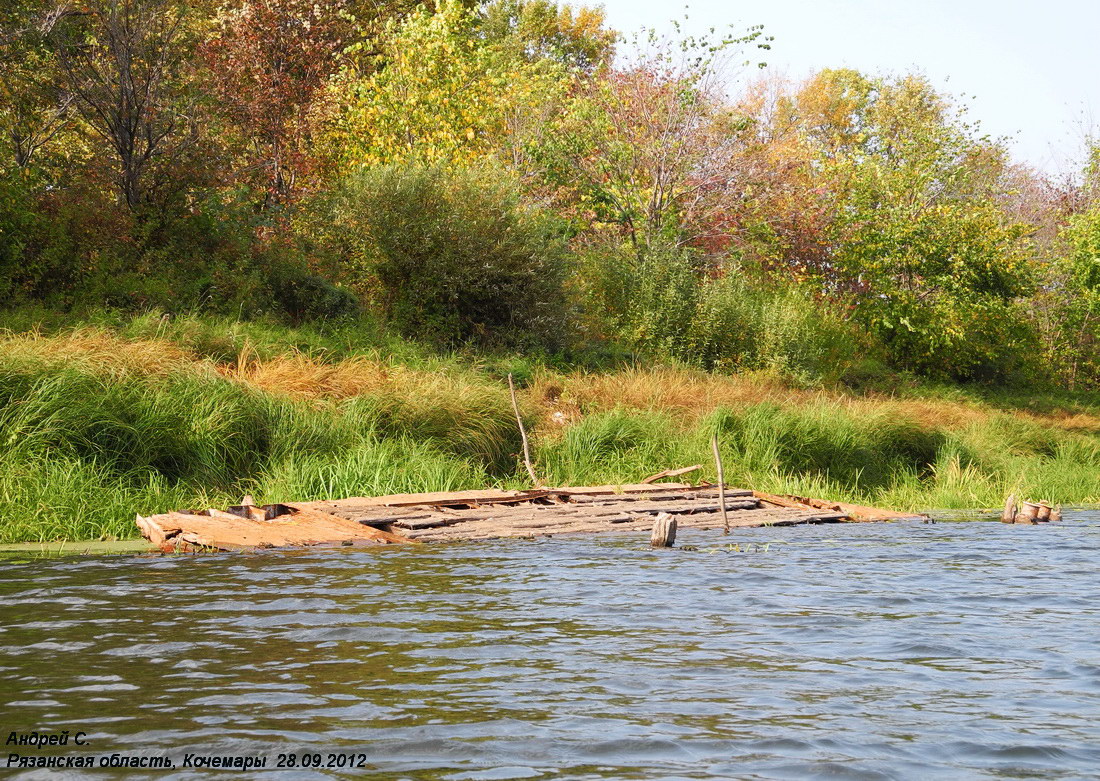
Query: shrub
{"x": 663, "y": 301}
{"x": 457, "y": 257}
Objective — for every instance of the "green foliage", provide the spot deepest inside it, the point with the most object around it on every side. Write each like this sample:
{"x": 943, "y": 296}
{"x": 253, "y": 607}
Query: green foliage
{"x": 445, "y": 95}
{"x": 457, "y": 256}
{"x": 666, "y": 302}
{"x": 1078, "y": 284}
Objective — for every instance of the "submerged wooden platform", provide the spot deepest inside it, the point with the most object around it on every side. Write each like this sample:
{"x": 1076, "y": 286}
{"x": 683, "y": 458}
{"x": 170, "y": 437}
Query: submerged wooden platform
{"x": 488, "y": 514}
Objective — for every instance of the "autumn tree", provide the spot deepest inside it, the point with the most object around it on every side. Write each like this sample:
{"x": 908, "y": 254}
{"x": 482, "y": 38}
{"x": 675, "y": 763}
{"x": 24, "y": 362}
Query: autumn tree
{"x": 914, "y": 232}
{"x": 268, "y": 59}
{"x": 643, "y": 144}
{"x": 123, "y": 63}
{"x": 34, "y": 106}
{"x": 543, "y": 30}
{"x": 441, "y": 95}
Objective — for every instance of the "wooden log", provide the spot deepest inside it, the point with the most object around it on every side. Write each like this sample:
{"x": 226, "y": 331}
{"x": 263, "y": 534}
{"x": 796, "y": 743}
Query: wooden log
{"x": 1008, "y": 515}
{"x": 664, "y": 531}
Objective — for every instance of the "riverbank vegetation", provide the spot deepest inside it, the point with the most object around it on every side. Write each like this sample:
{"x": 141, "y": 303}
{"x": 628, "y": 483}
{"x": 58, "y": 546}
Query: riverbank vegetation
{"x": 293, "y": 248}
{"x": 143, "y": 414}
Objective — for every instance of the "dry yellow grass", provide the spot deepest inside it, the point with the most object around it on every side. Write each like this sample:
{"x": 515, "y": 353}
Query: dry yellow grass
{"x": 102, "y": 352}
{"x": 302, "y": 377}
{"x": 558, "y": 398}
{"x": 689, "y": 395}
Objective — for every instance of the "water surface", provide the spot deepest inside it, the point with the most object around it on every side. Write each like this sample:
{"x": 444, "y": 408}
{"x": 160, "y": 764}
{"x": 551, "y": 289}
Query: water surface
{"x": 860, "y": 651}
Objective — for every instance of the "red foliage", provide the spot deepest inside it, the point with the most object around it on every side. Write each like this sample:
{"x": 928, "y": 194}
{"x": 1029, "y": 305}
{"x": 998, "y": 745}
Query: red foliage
{"x": 268, "y": 63}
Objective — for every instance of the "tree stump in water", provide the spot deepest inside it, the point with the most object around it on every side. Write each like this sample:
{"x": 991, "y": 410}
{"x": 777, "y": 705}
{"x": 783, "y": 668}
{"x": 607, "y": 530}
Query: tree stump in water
{"x": 1029, "y": 513}
{"x": 664, "y": 531}
{"x": 1009, "y": 514}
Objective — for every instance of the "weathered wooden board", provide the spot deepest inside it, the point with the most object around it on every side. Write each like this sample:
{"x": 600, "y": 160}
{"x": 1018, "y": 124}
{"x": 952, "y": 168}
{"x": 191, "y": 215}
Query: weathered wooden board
{"x": 626, "y": 523}
{"x": 858, "y": 512}
{"x": 489, "y": 514}
{"x": 226, "y": 531}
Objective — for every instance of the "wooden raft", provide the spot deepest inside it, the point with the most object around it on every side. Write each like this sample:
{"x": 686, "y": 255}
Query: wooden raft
{"x": 487, "y": 514}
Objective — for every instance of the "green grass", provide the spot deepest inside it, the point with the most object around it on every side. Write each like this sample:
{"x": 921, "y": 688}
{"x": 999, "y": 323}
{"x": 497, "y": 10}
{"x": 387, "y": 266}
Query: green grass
{"x": 95, "y": 427}
{"x": 823, "y": 450}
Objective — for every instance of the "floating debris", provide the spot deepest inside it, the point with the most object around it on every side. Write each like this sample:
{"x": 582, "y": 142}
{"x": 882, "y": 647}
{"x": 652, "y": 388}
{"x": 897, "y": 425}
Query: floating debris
{"x": 492, "y": 514}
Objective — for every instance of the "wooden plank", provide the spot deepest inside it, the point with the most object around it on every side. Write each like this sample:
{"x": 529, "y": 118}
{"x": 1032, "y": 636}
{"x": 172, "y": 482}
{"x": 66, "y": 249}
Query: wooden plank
{"x": 780, "y": 501}
{"x": 635, "y": 524}
{"x": 657, "y": 496}
{"x": 226, "y": 531}
{"x": 626, "y": 488}
{"x": 858, "y": 512}
{"x": 570, "y": 512}
{"x": 672, "y": 473}
{"x": 439, "y": 499}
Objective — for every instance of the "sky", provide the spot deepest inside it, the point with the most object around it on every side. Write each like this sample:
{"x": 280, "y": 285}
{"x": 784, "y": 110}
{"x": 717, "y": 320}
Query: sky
{"x": 1028, "y": 70}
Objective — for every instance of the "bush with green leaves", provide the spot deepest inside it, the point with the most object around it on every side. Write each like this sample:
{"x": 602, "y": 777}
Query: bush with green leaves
{"x": 664, "y": 301}
{"x": 456, "y": 257}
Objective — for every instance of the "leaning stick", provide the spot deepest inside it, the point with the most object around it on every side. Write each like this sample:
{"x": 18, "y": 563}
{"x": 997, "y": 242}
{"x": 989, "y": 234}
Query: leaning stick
{"x": 522, "y": 433}
{"x": 721, "y": 482}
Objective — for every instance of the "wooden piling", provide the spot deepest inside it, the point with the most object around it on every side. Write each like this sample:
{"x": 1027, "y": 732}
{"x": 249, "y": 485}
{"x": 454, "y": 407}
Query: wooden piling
{"x": 664, "y": 531}
{"x": 1056, "y": 513}
{"x": 1044, "y": 512}
{"x": 1009, "y": 513}
{"x": 721, "y": 483}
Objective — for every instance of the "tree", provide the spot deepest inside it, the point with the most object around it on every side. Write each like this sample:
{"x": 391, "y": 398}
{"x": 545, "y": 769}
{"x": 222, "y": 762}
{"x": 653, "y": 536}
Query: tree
{"x": 441, "y": 95}
{"x": 1078, "y": 288}
{"x": 542, "y": 30}
{"x": 123, "y": 62}
{"x": 643, "y": 145}
{"x": 33, "y": 106}
{"x": 268, "y": 60}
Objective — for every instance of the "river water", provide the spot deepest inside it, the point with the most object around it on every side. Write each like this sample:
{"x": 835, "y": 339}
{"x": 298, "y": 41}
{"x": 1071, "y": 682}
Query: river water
{"x": 907, "y": 650}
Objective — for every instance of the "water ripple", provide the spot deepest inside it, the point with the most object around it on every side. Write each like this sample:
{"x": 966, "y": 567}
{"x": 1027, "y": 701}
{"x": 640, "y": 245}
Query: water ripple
{"x": 854, "y": 652}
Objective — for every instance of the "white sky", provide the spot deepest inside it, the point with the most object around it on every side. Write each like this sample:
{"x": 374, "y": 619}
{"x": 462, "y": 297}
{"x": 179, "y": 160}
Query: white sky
{"x": 1027, "y": 70}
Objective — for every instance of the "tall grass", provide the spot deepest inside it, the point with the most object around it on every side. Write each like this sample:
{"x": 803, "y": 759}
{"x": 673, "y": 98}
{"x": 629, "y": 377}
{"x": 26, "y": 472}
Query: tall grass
{"x": 86, "y": 444}
{"x": 100, "y": 423}
{"x": 826, "y": 449}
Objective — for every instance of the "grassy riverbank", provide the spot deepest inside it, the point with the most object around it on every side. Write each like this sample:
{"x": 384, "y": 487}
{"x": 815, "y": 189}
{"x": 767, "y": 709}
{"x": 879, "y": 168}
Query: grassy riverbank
{"x": 99, "y": 421}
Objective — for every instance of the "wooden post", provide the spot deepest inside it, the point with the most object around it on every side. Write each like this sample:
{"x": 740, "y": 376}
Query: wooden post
{"x": 522, "y": 433}
{"x": 1044, "y": 512}
{"x": 721, "y": 482}
{"x": 664, "y": 531}
{"x": 1056, "y": 513}
{"x": 1009, "y": 514}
